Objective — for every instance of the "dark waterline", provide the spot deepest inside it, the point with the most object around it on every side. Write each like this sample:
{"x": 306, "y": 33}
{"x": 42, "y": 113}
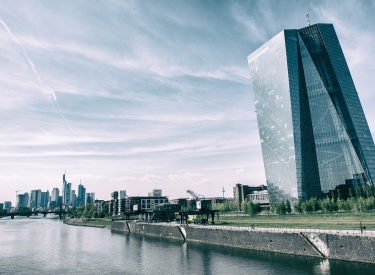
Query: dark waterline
{"x": 47, "y": 246}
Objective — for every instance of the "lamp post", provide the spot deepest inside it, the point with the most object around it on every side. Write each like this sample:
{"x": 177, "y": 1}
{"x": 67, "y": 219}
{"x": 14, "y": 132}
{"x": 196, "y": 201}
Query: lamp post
{"x": 338, "y": 221}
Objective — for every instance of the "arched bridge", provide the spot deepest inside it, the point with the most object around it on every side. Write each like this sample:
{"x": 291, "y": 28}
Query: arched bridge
{"x": 60, "y": 209}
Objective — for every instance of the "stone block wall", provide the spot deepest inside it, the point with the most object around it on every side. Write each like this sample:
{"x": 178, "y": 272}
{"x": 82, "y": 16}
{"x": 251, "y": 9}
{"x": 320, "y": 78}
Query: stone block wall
{"x": 344, "y": 247}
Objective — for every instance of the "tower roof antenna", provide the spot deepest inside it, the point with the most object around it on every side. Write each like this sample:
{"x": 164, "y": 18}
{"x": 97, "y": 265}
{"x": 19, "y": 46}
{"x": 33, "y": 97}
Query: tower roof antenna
{"x": 307, "y": 17}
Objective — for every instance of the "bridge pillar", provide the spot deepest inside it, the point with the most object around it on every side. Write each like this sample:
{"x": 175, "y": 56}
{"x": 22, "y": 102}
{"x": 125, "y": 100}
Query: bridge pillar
{"x": 12, "y": 217}
{"x": 60, "y": 214}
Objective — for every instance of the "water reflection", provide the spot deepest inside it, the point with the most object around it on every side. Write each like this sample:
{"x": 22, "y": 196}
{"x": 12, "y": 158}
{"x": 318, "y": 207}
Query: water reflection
{"x": 43, "y": 246}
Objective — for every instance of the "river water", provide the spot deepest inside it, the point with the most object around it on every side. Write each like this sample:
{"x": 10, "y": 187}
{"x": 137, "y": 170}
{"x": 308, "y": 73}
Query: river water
{"x": 47, "y": 246}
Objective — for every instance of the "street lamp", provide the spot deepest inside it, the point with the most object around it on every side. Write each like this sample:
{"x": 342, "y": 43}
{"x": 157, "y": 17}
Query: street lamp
{"x": 338, "y": 221}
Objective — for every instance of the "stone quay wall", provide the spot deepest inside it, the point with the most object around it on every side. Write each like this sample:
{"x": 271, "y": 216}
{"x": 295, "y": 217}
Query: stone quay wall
{"x": 343, "y": 247}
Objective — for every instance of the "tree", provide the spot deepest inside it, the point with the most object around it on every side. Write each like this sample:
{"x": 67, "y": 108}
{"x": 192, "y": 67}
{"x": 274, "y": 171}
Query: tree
{"x": 351, "y": 192}
{"x": 23, "y": 209}
{"x": 89, "y": 210}
{"x": 273, "y": 207}
{"x": 343, "y": 205}
{"x": 333, "y": 195}
{"x": 359, "y": 192}
{"x": 288, "y": 207}
{"x": 257, "y": 208}
{"x": 339, "y": 197}
{"x": 298, "y": 206}
{"x": 368, "y": 191}
{"x": 280, "y": 208}
{"x": 369, "y": 203}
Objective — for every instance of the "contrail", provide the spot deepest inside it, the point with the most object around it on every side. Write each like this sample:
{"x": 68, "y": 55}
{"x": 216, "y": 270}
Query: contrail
{"x": 49, "y": 89}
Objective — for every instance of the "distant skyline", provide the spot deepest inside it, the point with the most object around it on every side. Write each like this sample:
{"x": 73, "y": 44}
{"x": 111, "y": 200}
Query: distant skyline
{"x": 142, "y": 95}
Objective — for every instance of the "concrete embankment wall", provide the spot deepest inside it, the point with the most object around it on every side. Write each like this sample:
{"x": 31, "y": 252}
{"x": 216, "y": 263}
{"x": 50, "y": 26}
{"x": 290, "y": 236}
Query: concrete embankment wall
{"x": 344, "y": 247}
{"x": 350, "y": 247}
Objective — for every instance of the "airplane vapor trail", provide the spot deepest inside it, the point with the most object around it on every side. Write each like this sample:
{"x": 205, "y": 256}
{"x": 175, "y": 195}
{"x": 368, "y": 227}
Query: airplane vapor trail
{"x": 49, "y": 89}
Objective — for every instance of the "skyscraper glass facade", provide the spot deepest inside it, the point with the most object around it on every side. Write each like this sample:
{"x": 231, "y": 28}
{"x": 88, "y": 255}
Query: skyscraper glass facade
{"x": 314, "y": 135}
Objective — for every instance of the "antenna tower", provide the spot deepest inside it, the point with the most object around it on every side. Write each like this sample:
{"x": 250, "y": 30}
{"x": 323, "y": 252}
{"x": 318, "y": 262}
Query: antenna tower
{"x": 307, "y": 18}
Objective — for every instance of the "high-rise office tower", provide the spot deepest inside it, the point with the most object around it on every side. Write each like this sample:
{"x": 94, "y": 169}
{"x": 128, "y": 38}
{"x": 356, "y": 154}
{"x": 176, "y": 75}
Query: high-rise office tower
{"x": 54, "y": 196}
{"x": 35, "y": 198}
{"x": 22, "y": 200}
{"x": 7, "y": 205}
{"x": 314, "y": 135}
{"x": 44, "y": 199}
{"x": 81, "y": 195}
{"x": 90, "y": 198}
{"x": 73, "y": 198}
{"x": 67, "y": 187}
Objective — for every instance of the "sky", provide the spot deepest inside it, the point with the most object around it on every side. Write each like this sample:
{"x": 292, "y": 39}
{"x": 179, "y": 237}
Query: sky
{"x": 142, "y": 95}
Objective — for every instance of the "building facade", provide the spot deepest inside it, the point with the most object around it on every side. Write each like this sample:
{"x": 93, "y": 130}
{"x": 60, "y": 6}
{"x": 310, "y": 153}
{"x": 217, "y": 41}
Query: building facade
{"x": 155, "y": 193}
{"x": 314, "y": 135}
{"x": 22, "y": 200}
{"x": 54, "y": 197}
{"x": 44, "y": 199}
{"x": 122, "y": 194}
{"x": 67, "y": 187}
{"x": 90, "y": 198}
{"x": 35, "y": 198}
{"x": 7, "y": 205}
{"x": 73, "y": 198}
{"x": 241, "y": 193}
{"x": 81, "y": 195}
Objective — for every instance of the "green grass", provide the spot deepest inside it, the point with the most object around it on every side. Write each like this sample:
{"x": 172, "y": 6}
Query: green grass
{"x": 318, "y": 221}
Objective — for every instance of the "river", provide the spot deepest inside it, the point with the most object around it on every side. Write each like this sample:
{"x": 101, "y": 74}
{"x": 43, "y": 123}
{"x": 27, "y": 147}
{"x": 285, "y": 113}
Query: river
{"x": 47, "y": 246}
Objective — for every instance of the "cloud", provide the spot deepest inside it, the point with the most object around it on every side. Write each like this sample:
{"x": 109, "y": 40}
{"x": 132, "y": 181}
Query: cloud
{"x": 125, "y": 178}
{"x": 201, "y": 182}
{"x": 189, "y": 175}
{"x": 175, "y": 177}
{"x": 150, "y": 178}
{"x": 183, "y": 176}
{"x": 239, "y": 171}
{"x": 141, "y": 60}
{"x": 84, "y": 176}
{"x": 11, "y": 178}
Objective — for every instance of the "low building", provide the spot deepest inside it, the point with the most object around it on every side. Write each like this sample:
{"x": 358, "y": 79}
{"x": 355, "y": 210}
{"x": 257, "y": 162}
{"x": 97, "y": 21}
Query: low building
{"x": 99, "y": 205}
{"x": 260, "y": 197}
{"x": 241, "y": 192}
{"x": 147, "y": 203}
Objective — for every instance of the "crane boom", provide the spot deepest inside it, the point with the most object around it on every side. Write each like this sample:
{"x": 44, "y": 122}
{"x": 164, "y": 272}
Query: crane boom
{"x": 196, "y": 196}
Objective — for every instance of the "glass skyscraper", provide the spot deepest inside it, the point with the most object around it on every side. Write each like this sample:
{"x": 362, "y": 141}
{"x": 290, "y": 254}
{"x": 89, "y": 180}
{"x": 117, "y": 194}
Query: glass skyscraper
{"x": 314, "y": 135}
